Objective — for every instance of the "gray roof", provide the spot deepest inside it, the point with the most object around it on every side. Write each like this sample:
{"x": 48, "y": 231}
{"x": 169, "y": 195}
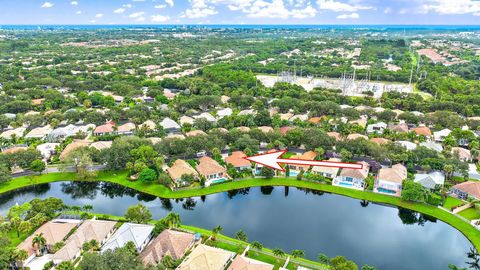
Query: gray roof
{"x": 168, "y": 123}
{"x": 429, "y": 180}
{"x": 128, "y": 232}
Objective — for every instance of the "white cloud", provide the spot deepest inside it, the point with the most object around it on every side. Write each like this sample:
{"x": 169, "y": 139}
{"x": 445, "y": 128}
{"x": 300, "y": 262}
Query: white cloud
{"x": 349, "y": 16}
{"x": 140, "y": 19}
{"x": 136, "y": 15}
{"x": 307, "y": 12}
{"x": 98, "y": 15}
{"x": 199, "y": 9}
{"x": 74, "y": 3}
{"x": 169, "y": 2}
{"x": 387, "y": 10}
{"x": 445, "y": 7}
{"x": 159, "y": 18}
{"x": 93, "y": 21}
{"x": 47, "y": 5}
{"x": 138, "y": 0}
{"x": 127, "y": 6}
{"x": 338, "y": 6}
{"x": 160, "y": 6}
{"x": 263, "y": 9}
{"x": 78, "y": 12}
{"x": 119, "y": 10}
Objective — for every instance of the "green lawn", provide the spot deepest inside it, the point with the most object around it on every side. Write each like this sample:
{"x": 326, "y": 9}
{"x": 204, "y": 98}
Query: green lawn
{"x": 158, "y": 190}
{"x": 470, "y": 213}
{"x": 451, "y": 202}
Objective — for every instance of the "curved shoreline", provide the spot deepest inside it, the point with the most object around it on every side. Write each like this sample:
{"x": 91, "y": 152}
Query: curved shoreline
{"x": 470, "y": 232}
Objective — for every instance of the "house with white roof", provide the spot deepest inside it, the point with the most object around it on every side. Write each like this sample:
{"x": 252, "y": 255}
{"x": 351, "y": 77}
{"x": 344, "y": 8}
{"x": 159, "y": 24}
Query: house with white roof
{"x": 440, "y": 136}
{"x": 207, "y": 116}
{"x": 376, "y": 128}
{"x": 138, "y": 234}
{"x": 186, "y": 120}
{"x": 432, "y": 146}
{"x": 9, "y": 134}
{"x": 39, "y": 132}
{"x": 224, "y": 112}
{"x": 61, "y": 133}
{"x": 328, "y": 172}
{"x": 47, "y": 149}
{"x": 247, "y": 112}
{"x": 430, "y": 180}
{"x": 170, "y": 126}
{"x": 407, "y": 145}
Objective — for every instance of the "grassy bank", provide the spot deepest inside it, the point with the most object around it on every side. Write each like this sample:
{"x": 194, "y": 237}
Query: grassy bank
{"x": 158, "y": 190}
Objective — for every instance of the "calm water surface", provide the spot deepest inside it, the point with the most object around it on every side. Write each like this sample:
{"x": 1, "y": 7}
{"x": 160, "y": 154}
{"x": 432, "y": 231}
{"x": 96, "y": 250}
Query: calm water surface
{"x": 287, "y": 218}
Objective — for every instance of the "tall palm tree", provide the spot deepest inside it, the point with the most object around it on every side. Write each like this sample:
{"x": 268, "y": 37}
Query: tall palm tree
{"x": 39, "y": 241}
{"x": 20, "y": 255}
{"x": 173, "y": 220}
{"x": 278, "y": 252}
{"x": 257, "y": 246}
{"x": 323, "y": 259}
{"x": 216, "y": 231}
{"x": 87, "y": 208}
{"x": 168, "y": 262}
{"x": 296, "y": 253}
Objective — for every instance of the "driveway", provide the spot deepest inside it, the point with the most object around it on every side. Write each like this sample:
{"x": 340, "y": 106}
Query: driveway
{"x": 37, "y": 263}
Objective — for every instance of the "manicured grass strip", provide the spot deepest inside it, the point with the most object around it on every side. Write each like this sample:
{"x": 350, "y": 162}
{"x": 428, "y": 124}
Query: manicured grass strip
{"x": 470, "y": 213}
{"x": 451, "y": 202}
{"x": 158, "y": 190}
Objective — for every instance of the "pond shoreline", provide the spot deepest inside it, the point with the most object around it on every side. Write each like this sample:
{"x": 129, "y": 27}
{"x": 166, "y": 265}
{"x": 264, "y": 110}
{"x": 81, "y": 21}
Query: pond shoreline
{"x": 470, "y": 232}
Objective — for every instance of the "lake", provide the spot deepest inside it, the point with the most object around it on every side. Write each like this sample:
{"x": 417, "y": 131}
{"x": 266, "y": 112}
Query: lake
{"x": 286, "y": 218}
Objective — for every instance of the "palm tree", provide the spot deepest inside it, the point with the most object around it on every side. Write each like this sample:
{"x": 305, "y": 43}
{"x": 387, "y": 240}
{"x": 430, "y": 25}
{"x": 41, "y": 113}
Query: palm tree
{"x": 25, "y": 227}
{"x": 20, "y": 255}
{"x": 87, "y": 208}
{"x": 173, "y": 220}
{"x": 454, "y": 267}
{"x": 278, "y": 253}
{"x": 216, "y": 231}
{"x": 39, "y": 241}
{"x": 296, "y": 253}
{"x": 241, "y": 235}
{"x": 168, "y": 262}
{"x": 323, "y": 259}
{"x": 257, "y": 246}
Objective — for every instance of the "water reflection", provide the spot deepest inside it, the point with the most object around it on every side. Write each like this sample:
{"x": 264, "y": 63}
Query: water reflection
{"x": 287, "y": 218}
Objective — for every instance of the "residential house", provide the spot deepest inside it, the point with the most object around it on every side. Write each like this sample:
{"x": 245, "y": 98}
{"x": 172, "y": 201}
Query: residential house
{"x": 224, "y": 112}
{"x": 376, "y": 128}
{"x": 462, "y": 153}
{"x": 465, "y": 190}
{"x": 39, "y": 132}
{"x": 98, "y": 230}
{"x": 61, "y": 133}
{"x": 138, "y": 234}
{"x": 328, "y": 172}
{"x": 170, "y": 126}
{"x": 432, "y": 146}
{"x": 352, "y": 178}
{"x": 422, "y": 130}
{"x": 126, "y": 129}
{"x": 244, "y": 263}
{"x": 186, "y": 120}
{"x": 194, "y": 133}
{"x": 237, "y": 159}
{"x": 284, "y": 130}
{"x": 296, "y": 169}
{"x": 14, "y": 149}
{"x": 47, "y": 149}
{"x": 207, "y": 116}
{"x": 299, "y": 117}
{"x": 53, "y": 231}
{"x": 335, "y": 135}
{"x": 247, "y": 112}
{"x": 390, "y": 180}
{"x": 401, "y": 127}
{"x": 211, "y": 170}
{"x": 407, "y": 145}
{"x": 106, "y": 129}
{"x": 439, "y": 136}
{"x": 206, "y": 258}
{"x": 243, "y": 129}
{"x": 72, "y": 146}
{"x": 148, "y": 125}
{"x": 430, "y": 180}
{"x": 101, "y": 145}
{"x": 265, "y": 129}
{"x": 11, "y": 133}
{"x": 355, "y": 136}
{"x": 380, "y": 141}
{"x": 168, "y": 242}
{"x": 179, "y": 168}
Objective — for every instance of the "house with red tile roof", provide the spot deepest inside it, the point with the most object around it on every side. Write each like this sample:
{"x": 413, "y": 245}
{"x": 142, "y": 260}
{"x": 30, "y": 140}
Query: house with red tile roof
{"x": 465, "y": 190}
{"x": 169, "y": 242}
{"x": 211, "y": 170}
{"x": 422, "y": 130}
{"x": 107, "y": 128}
{"x": 296, "y": 169}
{"x": 236, "y": 158}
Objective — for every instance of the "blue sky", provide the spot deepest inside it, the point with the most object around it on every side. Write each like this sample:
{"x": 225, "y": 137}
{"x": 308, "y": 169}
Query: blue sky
{"x": 459, "y": 12}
